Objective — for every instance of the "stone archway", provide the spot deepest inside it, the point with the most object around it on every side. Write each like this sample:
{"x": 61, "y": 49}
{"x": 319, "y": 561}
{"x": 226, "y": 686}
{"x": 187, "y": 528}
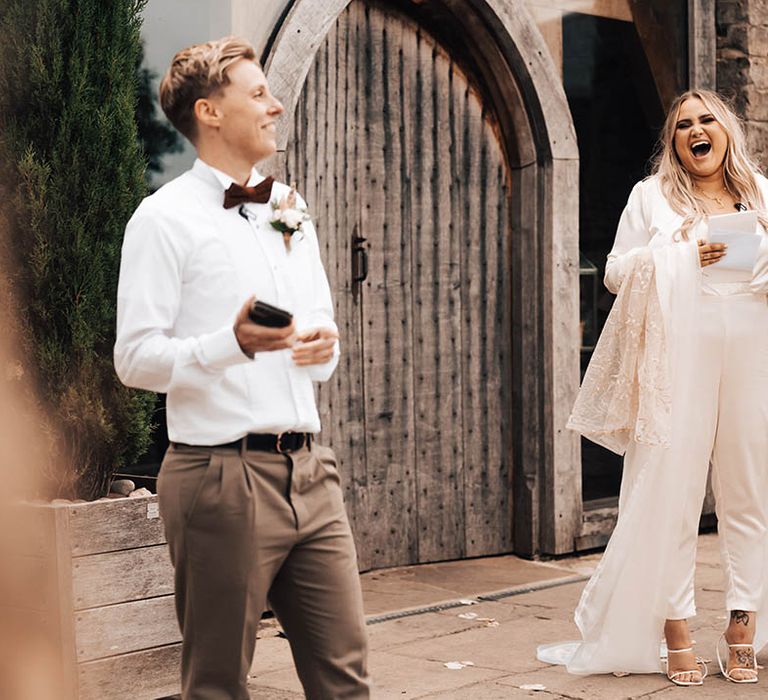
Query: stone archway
{"x": 521, "y": 87}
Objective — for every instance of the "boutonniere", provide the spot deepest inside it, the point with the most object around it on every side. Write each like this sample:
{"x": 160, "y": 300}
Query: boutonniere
{"x": 288, "y": 218}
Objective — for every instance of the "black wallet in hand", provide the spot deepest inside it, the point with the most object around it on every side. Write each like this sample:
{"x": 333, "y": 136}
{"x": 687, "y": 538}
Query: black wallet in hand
{"x": 265, "y": 314}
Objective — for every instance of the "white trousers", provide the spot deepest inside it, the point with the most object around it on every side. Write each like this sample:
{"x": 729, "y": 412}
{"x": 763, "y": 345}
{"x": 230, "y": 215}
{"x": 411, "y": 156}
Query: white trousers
{"x": 728, "y": 427}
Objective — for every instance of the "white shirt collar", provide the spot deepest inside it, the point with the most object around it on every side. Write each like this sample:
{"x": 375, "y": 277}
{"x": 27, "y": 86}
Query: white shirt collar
{"x": 202, "y": 168}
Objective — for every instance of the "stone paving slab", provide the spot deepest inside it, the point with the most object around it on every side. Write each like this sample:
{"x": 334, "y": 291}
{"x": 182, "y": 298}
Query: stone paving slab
{"x": 394, "y": 633}
{"x": 557, "y": 598}
{"x": 272, "y": 654}
{"x": 504, "y": 648}
{"x": 408, "y": 654}
{"x": 495, "y": 690}
{"x": 264, "y": 693}
{"x": 405, "y": 587}
{"x": 714, "y": 688}
{"x": 560, "y": 683}
{"x": 552, "y": 603}
{"x": 395, "y": 677}
{"x": 504, "y": 610}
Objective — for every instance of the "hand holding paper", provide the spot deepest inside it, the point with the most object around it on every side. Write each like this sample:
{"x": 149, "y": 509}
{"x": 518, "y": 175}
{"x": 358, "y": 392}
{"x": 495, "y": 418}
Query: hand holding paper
{"x": 738, "y": 232}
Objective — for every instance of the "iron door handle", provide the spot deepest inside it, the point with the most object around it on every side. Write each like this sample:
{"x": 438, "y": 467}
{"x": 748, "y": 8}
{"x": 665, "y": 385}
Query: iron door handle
{"x": 359, "y": 260}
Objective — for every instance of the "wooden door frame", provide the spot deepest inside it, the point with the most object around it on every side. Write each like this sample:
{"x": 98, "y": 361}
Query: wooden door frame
{"x": 540, "y": 144}
{"x": 702, "y": 45}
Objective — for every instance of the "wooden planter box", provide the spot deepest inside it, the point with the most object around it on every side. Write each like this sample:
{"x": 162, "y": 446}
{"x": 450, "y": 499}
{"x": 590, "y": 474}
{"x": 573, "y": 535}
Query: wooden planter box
{"x": 112, "y": 599}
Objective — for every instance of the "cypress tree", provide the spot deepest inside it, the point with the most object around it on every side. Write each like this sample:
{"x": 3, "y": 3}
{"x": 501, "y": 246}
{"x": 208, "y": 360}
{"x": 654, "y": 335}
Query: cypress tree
{"x": 72, "y": 175}
{"x": 156, "y": 136}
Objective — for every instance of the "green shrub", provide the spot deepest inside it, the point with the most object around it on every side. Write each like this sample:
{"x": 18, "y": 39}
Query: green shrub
{"x": 72, "y": 175}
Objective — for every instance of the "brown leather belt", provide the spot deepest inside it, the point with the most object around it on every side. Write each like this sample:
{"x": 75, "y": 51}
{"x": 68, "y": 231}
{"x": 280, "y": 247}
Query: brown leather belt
{"x": 263, "y": 442}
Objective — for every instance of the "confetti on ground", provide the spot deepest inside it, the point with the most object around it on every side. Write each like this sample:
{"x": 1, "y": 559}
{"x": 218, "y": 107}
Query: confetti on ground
{"x": 458, "y": 665}
{"x": 489, "y": 621}
{"x": 533, "y": 686}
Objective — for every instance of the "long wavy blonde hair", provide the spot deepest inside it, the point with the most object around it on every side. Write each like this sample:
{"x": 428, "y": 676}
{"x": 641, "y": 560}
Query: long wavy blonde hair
{"x": 739, "y": 168}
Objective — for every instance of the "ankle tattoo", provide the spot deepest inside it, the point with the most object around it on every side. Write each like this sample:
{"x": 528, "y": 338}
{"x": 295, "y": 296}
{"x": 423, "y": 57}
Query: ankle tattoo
{"x": 739, "y": 617}
{"x": 745, "y": 658}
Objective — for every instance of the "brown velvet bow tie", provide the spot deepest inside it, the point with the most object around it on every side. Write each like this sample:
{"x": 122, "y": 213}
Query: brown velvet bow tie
{"x": 237, "y": 194}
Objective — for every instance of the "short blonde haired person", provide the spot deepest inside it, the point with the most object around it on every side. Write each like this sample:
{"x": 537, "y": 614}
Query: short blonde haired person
{"x": 252, "y": 505}
{"x": 197, "y": 72}
{"x": 699, "y": 334}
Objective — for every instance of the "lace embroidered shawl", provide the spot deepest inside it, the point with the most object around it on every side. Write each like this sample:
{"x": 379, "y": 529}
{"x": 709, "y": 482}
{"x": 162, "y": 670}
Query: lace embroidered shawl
{"x": 625, "y": 393}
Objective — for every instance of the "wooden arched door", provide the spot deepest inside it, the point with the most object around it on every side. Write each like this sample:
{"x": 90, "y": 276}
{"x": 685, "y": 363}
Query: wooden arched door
{"x": 405, "y": 176}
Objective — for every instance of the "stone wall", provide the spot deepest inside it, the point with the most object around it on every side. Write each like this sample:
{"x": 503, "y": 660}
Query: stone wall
{"x": 742, "y": 66}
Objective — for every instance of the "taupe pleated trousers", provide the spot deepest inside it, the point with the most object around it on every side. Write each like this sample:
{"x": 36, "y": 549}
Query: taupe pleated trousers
{"x": 242, "y": 526}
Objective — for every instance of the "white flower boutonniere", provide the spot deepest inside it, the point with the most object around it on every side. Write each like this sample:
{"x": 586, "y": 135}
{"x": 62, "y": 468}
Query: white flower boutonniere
{"x": 287, "y": 217}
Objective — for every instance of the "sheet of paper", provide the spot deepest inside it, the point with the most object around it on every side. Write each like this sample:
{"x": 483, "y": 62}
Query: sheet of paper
{"x": 739, "y": 232}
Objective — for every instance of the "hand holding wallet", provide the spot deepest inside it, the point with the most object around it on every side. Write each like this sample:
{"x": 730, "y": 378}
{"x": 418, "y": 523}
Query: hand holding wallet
{"x": 264, "y": 314}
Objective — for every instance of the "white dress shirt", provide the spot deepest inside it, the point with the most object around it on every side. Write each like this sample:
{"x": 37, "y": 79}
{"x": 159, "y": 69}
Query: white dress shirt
{"x": 188, "y": 265}
{"x": 649, "y": 220}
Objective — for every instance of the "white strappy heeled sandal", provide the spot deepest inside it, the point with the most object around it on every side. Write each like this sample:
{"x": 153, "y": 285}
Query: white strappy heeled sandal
{"x": 751, "y": 657}
{"x": 701, "y": 669}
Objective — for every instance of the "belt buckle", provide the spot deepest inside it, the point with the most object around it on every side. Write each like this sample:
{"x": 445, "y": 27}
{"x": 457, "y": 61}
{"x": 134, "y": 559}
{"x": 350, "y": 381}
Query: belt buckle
{"x": 278, "y": 447}
{"x": 281, "y": 435}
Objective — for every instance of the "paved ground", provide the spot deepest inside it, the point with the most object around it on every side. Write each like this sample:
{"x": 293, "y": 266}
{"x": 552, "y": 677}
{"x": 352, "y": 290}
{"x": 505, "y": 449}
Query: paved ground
{"x": 408, "y": 654}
